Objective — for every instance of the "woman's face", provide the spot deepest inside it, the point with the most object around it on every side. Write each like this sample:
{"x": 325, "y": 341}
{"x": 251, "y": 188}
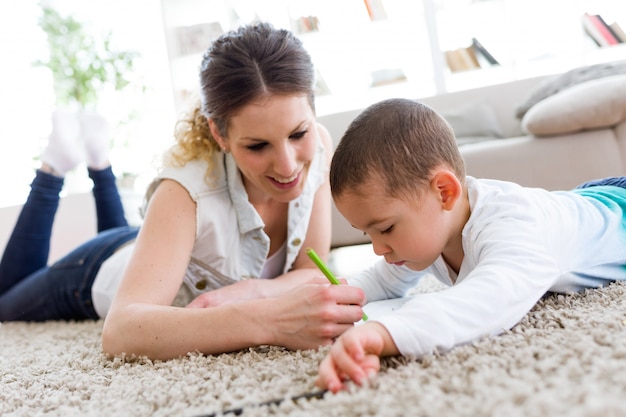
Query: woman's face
{"x": 273, "y": 141}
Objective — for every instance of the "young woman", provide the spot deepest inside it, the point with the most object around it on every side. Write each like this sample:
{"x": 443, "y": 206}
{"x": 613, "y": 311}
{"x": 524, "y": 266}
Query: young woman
{"x": 242, "y": 192}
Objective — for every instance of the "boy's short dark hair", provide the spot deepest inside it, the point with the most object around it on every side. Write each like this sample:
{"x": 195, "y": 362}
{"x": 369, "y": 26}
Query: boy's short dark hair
{"x": 399, "y": 141}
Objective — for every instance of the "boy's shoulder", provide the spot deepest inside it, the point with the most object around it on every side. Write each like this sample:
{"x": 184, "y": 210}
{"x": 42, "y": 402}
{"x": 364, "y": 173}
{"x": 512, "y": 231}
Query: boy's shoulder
{"x": 497, "y": 198}
{"x": 488, "y": 183}
{"x": 482, "y": 190}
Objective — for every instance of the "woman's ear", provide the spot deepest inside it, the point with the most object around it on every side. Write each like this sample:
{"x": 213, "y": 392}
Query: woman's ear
{"x": 448, "y": 188}
{"x": 217, "y": 136}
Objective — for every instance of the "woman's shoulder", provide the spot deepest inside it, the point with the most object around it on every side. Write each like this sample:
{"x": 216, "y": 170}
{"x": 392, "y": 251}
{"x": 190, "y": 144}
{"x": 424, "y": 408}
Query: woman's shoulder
{"x": 197, "y": 176}
{"x": 190, "y": 168}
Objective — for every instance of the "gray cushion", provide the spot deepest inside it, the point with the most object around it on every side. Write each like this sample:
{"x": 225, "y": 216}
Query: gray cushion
{"x": 473, "y": 122}
{"x": 561, "y": 82}
{"x": 593, "y": 104}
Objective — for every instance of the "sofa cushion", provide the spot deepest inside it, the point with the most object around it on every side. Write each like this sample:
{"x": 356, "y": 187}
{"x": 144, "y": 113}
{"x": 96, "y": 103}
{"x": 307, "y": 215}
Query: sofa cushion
{"x": 473, "y": 122}
{"x": 590, "y": 105}
{"x": 556, "y": 84}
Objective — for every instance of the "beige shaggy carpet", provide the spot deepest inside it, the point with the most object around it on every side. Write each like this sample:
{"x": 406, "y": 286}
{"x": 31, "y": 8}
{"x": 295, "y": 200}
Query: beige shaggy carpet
{"x": 566, "y": 358}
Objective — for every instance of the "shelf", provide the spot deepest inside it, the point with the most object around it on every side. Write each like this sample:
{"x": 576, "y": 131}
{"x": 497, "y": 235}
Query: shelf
{"x": 349, "y": 48}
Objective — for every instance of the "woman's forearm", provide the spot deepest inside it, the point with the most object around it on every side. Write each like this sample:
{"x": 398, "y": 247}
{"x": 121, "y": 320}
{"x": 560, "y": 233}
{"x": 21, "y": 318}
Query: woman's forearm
{"x": 306, "y": 317}
{"x": 164, "y": 332}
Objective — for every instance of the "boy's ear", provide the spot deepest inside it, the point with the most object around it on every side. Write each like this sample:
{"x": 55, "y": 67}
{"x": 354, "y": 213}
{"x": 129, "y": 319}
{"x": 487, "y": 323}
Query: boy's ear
{"x": 448, "y": 188}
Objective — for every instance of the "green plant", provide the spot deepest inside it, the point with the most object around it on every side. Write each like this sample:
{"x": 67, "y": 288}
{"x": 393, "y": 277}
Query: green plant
{"x": 81, "y": 64}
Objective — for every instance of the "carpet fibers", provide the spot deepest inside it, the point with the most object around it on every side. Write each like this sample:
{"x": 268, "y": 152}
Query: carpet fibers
{"x": 567, "y": 357}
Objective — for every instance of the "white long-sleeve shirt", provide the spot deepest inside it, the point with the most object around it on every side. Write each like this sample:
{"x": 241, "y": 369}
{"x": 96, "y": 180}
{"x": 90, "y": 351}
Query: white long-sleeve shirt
{"x": 518, "y": 243}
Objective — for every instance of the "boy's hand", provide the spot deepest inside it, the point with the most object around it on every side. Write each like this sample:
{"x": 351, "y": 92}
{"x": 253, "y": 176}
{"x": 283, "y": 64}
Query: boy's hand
{"x": 355, "y": 356}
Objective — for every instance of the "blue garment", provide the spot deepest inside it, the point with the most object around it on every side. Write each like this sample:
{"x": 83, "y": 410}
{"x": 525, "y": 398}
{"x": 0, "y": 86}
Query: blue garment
{"x": 615, "y": 181}
{"x": 32, "y": 291}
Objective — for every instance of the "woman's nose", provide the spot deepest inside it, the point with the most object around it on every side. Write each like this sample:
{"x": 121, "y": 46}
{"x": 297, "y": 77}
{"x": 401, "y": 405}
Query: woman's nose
{"x": 285, "y": 162}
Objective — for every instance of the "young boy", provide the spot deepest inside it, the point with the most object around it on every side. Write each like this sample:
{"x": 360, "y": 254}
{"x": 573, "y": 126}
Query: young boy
{"x": 398, "y": 176}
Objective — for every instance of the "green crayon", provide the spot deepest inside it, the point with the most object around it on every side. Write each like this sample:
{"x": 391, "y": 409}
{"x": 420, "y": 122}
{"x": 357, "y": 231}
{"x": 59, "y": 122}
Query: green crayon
{"x": 329, "y": 275}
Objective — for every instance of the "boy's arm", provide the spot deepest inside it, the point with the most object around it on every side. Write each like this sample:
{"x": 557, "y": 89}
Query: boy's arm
{"x": 503, "y": 283}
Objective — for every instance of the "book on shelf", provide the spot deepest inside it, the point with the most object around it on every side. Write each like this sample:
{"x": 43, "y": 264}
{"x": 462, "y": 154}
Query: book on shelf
{"x": 307, "y": 24}
{"x": 454, "y": 61}
{"x": 618, "y": 31}
{"x": 592, "y": 31}
{"x": 609, "y": 28}
{"x": 461, "y": 59}
{"x": 375, "y": 9}
{"x": 598, "y": 30}
{"x": 469, "y": 56}
{"x": 482, "y": 53}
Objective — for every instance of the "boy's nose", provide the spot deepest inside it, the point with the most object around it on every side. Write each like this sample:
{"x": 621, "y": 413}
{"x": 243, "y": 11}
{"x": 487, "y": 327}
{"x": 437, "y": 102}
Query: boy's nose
{"x": 380, "y": 248}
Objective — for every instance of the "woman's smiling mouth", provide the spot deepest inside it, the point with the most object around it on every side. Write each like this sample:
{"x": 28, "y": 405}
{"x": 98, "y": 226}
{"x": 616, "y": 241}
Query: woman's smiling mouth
{"x": 285, "y": 183}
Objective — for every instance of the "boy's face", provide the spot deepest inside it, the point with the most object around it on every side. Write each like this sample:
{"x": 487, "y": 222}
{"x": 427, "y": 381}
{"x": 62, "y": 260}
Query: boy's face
{"x": 411, "y": 231}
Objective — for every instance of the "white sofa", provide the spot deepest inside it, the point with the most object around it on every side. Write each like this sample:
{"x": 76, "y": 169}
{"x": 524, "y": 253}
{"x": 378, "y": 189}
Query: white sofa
{"x": 556, "y": 162}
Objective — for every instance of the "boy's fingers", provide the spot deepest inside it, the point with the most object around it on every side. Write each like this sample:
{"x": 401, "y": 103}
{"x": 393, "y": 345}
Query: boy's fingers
{"x": 339, "y": 363}
{"x": 371, "y": 365}
{"x": 328, "y": 377}
{"x": 347, "y": 358}
{"x": 331, "y": 378}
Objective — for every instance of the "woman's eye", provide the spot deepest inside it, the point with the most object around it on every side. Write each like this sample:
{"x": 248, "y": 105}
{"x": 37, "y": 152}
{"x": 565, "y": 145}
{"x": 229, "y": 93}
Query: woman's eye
{"x": 298, "y": 135}
{"x": 257, "y": 147}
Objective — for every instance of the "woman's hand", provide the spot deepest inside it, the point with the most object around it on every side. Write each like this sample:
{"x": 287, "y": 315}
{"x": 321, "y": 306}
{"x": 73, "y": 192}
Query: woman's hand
{"x": 256, "y": 288}
{"x": 239, "y": 291}
{"x": 313, "y": 314}
{"x": 355, "y": 356}
{"x": 305, "y": 317}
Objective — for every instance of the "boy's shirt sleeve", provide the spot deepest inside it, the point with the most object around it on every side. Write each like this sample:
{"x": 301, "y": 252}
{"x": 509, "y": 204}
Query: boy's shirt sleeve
{"x": 395, "y": 281}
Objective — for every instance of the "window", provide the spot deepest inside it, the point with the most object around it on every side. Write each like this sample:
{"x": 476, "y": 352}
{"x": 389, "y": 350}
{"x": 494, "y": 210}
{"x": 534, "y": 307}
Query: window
{"x": 27, "y": 97}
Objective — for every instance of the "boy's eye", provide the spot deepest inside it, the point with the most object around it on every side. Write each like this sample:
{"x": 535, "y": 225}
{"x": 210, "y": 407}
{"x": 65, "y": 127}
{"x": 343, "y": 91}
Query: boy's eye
{"x": 387, "y": 230}
{"x": 298, "y": 135}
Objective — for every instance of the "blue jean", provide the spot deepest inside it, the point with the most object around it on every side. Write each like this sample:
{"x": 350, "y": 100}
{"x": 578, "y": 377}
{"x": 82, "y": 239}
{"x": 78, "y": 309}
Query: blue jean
{"x": 615, "y": 181}
{"x": 32, "y": 291}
